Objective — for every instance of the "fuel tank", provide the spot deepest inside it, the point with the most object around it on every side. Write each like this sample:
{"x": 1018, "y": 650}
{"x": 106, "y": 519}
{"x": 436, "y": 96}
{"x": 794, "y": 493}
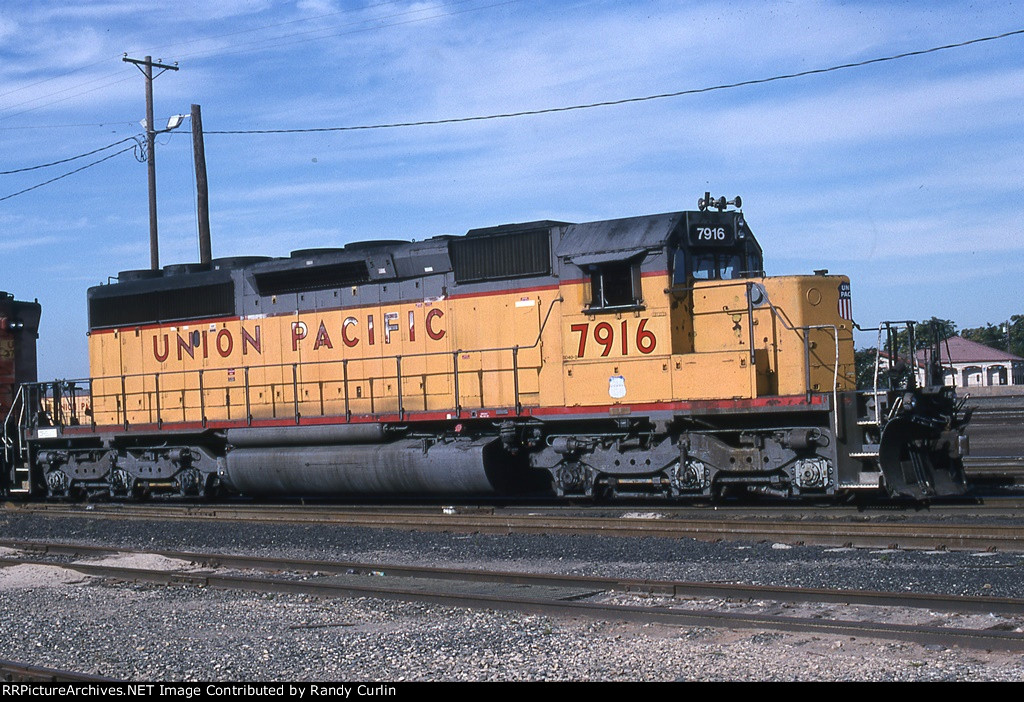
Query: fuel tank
{"x": 403, "y": 467}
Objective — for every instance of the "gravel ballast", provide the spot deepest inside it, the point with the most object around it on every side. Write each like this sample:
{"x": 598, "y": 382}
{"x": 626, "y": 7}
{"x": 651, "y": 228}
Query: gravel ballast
{"x": 57, "y": 618}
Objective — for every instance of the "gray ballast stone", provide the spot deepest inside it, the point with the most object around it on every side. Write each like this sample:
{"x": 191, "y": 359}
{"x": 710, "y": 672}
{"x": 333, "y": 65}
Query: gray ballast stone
{"x": 142, "y": 632}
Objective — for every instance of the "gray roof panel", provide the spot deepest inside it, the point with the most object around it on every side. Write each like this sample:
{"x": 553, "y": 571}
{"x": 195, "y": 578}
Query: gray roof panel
{"x": 629, "y": 236}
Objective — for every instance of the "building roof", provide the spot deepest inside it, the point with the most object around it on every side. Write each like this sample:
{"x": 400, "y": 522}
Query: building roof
{"x": 956, "y": 349}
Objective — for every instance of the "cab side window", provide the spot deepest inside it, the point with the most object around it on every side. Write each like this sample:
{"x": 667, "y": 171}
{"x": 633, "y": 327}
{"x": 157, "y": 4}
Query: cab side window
{"x": 614, "y": 286}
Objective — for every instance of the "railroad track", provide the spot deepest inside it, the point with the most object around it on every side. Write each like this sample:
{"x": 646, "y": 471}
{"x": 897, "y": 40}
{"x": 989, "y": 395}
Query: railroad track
{"x": 859, "y": 532}
{"x": 1011, "y": 467}
{"x": 548, "y": 594}
{"x": 997, "y": 442}
{"x": 14, "y": 672}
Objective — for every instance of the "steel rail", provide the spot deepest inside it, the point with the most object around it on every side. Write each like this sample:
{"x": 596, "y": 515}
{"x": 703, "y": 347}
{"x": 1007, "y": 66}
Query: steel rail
{"x": 982, "y": 503}
{"x": 12, "y": 671}
{"x": 994, "y": 464}
{"x": 672, "y": 588}
{"x": 863, "y": 534}
{"x": 966, "y": 638}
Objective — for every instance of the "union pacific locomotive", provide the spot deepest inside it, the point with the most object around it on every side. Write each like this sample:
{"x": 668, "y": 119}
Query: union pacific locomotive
{"x": 646, "y": 356}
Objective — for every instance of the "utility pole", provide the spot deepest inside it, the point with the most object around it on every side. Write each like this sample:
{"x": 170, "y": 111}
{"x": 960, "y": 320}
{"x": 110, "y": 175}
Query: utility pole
{"x": 146, "y": 66}
{"x": 202, "y": 188}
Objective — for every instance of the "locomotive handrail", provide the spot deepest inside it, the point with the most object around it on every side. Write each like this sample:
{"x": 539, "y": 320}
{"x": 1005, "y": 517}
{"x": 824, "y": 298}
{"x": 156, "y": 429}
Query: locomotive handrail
{"x": 123, "y": 394}
{"x": 161, "y": 380}
{"x": 336, "y": 360}
{"x": 12, "y": 463}
{"x": 893, "y": 356}
{"x": 276, "y": 402}
{"x": 876, "y": 390}
{"x": 780, "y": 314}
{"x": 8, "y": 442}
{"x": 878, "y": 362}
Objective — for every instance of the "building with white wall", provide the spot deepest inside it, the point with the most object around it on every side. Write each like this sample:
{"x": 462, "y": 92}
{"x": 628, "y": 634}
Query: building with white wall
{"x": 969, "y": 364}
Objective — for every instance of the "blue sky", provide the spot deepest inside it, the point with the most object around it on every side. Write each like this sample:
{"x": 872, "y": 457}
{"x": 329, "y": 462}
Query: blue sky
{"x": 908, "y": 176}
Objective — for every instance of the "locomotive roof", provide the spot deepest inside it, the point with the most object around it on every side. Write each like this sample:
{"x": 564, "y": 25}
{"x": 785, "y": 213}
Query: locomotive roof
{"x": 630, "y": 236}
{"x": 577, "y": 242}
{"x": 483, "y": 256}
{"x": 627, "y": 235}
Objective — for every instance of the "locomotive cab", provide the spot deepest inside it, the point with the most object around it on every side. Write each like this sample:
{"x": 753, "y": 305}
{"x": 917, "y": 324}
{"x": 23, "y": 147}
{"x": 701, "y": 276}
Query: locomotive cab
{"x": 716, "y": 246}
{"x": 795, "y": 331}
{"x": 673, "y": 316}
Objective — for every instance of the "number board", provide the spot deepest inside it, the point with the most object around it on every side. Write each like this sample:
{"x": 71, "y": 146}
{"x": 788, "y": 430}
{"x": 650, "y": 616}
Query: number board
{"x": 712, "y": 233}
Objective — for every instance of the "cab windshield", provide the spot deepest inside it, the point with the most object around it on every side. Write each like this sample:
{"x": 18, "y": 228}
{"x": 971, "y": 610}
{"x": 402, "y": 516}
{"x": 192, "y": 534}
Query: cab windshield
{"x": 713, "y": 265}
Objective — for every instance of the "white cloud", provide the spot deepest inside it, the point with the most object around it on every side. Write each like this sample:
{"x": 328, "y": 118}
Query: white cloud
{"x": 31, "y": 242}
{"x": 316, "y": 8}
{"x": 906, "y": 166}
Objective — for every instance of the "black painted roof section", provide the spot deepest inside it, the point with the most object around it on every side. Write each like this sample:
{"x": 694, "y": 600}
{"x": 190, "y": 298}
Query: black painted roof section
{"x": 629, "y": 236}
{"x": 513, "y": 228}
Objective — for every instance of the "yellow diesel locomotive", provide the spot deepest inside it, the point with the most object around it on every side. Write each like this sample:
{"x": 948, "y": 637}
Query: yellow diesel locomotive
{"x": 645, "y": 356}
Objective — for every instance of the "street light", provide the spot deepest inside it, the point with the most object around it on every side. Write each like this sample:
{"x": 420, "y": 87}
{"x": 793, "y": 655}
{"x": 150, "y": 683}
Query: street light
{"x": 202, "y": 195}
{"x": 173, "y": 122}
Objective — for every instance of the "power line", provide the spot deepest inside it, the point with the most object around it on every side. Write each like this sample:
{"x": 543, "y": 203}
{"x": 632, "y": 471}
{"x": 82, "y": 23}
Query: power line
{"x": 63, "y": 99}
{"x": 69, "y": 173}
{"x": 256, "y": 45}
{"x": 52, "y": 78}
{"x": 624, "y": 101}
{"x": 328, "y": 32}
{"x": 66, "y": 160}
{"x": 522, "y": 113}
{"x": 194, "y": 41}
{"x": 120, "y": 123}
{"x": 186, "y": 43}
{"x": 260, "y": 28}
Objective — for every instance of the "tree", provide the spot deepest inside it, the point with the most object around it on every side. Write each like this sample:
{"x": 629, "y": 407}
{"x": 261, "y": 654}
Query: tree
{"x": 1000, "y": 336}
{"x": 989, "y": 335}
{"x": 864, "y": 362}
{"x": 925, "y": 333}
{"x": 1005, "y": 336}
